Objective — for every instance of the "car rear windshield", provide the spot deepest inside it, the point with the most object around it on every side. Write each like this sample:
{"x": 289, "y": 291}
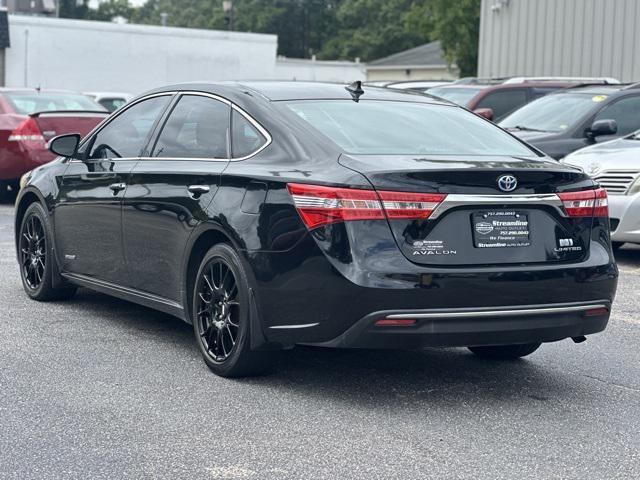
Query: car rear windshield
{"x": 26, "y": 103}
{"x": 459, "y": 95}
{"x": 552, "y": 113}
{"x": 404, "y": 128}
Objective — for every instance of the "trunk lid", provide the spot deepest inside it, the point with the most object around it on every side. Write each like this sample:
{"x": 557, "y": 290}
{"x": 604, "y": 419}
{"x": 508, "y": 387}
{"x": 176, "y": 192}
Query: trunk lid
{"x": 54, "y": 123}
{"x": 478, "y": 224}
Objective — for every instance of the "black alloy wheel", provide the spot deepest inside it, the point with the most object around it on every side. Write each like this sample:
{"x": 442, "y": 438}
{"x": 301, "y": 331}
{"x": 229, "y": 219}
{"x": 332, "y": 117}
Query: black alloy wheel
{"x": 37, "y": 265}
{"x": 33, "y": 251}
{"x": 221, "y": 316}
{"x": 218, "y": 311}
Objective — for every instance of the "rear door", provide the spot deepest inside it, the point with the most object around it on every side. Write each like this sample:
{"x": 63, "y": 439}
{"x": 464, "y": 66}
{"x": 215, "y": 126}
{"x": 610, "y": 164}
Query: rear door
{"x": 170, "y": 189}
{"x": 88, "y": 214}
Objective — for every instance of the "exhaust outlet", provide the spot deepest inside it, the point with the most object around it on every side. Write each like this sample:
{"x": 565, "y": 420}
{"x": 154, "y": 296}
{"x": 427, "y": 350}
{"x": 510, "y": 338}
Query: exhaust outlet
{"x": 579, "y": 339}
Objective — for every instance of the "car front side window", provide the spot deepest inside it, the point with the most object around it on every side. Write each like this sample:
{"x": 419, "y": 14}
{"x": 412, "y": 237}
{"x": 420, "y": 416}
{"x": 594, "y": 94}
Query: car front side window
{"x": 626, "y": 113}
{"x": 197, "y": 127}
{"x": 126, "y": 135}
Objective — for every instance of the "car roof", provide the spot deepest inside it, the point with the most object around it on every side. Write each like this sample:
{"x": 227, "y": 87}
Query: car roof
{"x": 35, "y": 90}
{"x": 596, "y": 89}
{"x": 276, "y": 91}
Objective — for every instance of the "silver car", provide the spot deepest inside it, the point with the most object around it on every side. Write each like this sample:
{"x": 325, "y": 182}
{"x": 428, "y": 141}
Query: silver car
{"x": 616, "y": 166}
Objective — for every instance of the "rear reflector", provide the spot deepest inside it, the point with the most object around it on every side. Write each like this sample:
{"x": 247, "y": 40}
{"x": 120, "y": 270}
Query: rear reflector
{"x": 586, "y": 203}
{"x": 320, "y": 205}
{"x": 28, "y": 131}
{"x": 395, "y": 322}
{"x": 596, "y": 312}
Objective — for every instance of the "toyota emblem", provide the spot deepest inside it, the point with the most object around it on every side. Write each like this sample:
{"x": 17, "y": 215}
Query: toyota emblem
{"x": 507, "y": 183}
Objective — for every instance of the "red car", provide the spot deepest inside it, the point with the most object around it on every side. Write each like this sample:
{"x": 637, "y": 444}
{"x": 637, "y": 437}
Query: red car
{"x": 496, "y": 101}
{"x": 29, "y": 118}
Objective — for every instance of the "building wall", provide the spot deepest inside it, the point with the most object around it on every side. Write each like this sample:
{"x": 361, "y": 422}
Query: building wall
{"x": 560, "y": 38}
{"x": 400, "y": 74}
{"x": 318, "y": 70}
{"x": 94, "y": 56}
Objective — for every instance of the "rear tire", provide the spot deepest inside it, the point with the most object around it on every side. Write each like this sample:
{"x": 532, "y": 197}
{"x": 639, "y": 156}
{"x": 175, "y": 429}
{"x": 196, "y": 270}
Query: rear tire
{"x": 505, "y": 352}
{"x": 221, "y": 316}
{"x": 35, "y": 255}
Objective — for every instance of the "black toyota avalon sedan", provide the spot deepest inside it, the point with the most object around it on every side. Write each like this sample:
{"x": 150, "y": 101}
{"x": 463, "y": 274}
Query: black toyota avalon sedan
{"x": 270, "y": 214}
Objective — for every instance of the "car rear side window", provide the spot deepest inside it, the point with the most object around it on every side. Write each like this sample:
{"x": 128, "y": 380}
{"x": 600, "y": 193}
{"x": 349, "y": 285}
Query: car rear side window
{"x": 197, "y": 127}
{"x": 245, "y": 138}
{"x": 503, "y": 102}
{"x": 626, "y": 113}
{"x": 126, "y": 135}
{"x": 391, "y": 127}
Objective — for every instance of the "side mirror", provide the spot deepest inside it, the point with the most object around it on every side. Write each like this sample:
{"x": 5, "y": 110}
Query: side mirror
{"x": 65, "y": 145}
{"x": 484, "y": 113}
{"x": 602, "y": 127}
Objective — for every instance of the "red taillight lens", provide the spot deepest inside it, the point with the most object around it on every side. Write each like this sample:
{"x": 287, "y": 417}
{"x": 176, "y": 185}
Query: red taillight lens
{"x": 586, "y": 203}
{"x": 396, "y": 322}
{"x": 601, "y": 206}
{"x": 319, "y": 205}
{"x": 28, "y": 132}
{"x": 409, "y": 205}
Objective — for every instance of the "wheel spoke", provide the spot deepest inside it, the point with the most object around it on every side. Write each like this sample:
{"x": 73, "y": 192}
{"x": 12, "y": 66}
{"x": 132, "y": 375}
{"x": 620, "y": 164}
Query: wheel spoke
{"x": 208, "y": 282}
{"x": 204, "y": 299}
{"x": 233, "y": 342}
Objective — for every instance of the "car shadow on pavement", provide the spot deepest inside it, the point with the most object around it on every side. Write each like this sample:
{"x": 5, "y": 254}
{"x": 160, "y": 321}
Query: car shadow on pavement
{"x": 369, "y": 377}
{"x": 628, "y": 255}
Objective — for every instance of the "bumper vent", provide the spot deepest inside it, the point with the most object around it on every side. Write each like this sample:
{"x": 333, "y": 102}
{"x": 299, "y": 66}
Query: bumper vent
{"x": 616, "y": 182}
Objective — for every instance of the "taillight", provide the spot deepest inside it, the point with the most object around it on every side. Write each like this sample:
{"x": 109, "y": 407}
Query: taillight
{"x": 28, "y": 132}
{"x": 320, "y": 205}
{"x": 586, "y": 203}
{"x": 409, "y": 205}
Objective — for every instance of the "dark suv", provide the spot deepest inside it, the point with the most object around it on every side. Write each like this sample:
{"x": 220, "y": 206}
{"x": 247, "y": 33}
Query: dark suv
{"x": 575, "y": 118}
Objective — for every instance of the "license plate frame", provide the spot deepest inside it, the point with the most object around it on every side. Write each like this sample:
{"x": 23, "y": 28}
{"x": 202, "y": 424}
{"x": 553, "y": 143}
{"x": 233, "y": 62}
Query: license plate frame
{"x": 501, "y": 229}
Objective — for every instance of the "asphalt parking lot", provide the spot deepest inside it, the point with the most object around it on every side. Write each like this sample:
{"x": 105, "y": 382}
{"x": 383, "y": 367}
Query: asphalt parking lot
{"x": 99, "y": 388}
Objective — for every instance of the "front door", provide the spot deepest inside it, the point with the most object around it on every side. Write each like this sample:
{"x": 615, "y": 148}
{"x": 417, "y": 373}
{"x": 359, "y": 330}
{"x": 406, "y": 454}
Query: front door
{"x": 88, "y": 214}
{"x": 169, "y": 192}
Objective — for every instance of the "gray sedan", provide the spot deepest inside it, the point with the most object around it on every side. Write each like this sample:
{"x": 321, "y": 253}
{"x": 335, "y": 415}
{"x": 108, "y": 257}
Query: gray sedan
{"x": 616, "y": 166}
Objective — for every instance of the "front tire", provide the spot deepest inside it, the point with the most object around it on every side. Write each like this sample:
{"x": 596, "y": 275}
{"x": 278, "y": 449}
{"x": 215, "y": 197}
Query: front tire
{"x": 221, "y": 316}
{"x": 505, "y": 352}
{"x": 35, "y": 254}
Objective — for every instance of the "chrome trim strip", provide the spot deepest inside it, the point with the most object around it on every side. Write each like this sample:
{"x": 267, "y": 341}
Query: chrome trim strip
{"x": 460, "y": 200}
{"x": 283, "y": 327}
{"x": 85, "y": 280}
{"x": 499, "y": 313}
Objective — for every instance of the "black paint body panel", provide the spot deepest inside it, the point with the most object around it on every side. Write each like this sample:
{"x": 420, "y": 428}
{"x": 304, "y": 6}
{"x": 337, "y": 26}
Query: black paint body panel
{"x": 329, "y": 278}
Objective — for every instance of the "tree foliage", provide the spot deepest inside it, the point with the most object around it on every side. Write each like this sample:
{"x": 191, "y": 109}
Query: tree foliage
{"x": 330, "y": 29}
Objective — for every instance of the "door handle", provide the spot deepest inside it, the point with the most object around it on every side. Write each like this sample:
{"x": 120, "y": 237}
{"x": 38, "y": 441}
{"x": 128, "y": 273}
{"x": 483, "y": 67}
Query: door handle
{"x": 197, "y": 190}
{"x": 117, "y": 187}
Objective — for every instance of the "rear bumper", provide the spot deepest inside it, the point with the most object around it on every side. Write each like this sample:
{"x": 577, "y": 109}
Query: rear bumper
{"x": 624, "y": 211}
{"x": 476, "y": 327}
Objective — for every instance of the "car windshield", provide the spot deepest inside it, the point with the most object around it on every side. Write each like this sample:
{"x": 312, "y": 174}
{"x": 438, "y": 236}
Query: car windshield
{"x": 26, "y": 103}
{"x": 459, "y": 95}
{"x": 552, "y": 113}
{"x": 404, "y": 128}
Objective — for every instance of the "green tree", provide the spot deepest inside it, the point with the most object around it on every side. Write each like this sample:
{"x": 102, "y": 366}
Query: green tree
{"x": 456, "y": 23}
{"x": 370, "y": 29}
{"x": 110, "y": 9}
{"x": 71, "y": 8}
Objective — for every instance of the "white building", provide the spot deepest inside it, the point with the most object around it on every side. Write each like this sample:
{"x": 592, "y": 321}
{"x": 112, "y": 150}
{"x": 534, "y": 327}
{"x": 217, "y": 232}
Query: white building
{"x": 92, "y": 56}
